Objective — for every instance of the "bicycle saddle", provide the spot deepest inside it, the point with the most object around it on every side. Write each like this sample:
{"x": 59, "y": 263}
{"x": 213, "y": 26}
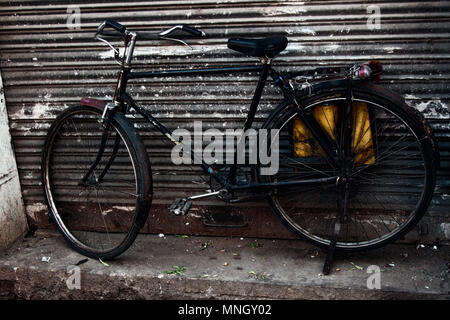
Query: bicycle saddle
{"x": 266, "y": 47}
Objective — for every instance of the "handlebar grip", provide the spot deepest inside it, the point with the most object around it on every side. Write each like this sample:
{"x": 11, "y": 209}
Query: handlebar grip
{"x": 111, "y": 24}
{"x": 192, "y": 31}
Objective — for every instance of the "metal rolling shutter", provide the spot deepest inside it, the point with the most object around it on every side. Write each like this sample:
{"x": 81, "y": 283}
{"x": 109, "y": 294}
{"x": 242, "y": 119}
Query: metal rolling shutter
{"x": 47, "y": 67}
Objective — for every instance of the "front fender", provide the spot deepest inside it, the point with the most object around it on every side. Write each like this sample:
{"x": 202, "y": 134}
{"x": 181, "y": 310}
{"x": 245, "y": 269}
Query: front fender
{"x": 92, "y": 102}
{"x": 144, "y": 201}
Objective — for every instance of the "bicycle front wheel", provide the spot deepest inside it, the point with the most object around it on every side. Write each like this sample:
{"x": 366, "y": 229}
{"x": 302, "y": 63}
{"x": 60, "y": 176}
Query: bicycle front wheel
{"x": 98, "y": 195}
{"x": 391, "y": 176}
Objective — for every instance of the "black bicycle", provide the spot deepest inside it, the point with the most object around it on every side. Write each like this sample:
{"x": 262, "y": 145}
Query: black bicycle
{"x": 357, "y": 165}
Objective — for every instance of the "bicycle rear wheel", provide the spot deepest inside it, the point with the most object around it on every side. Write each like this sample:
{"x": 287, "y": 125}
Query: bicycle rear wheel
{"x": 392, "y": 176}
{"x": 100, "y": 208}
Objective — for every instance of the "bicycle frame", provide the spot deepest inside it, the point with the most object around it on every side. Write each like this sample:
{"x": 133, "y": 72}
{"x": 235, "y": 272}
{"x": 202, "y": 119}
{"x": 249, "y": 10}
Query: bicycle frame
{"x": 350, "y": 108}
{"x": 121, "y": 97}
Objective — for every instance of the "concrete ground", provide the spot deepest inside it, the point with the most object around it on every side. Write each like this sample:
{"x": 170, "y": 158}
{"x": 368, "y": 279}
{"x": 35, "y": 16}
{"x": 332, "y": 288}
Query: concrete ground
{"x": 226, "y": 268}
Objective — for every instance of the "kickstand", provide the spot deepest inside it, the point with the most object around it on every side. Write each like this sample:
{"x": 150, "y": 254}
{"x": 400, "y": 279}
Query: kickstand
{"x": 341, "y": 216}
{"x": 332, "y": 248}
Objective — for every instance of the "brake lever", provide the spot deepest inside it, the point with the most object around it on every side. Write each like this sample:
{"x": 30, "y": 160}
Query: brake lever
{"x": 166, "y": 32}
{"x": 116, "y": 52}
{"x": 178, "y": 40}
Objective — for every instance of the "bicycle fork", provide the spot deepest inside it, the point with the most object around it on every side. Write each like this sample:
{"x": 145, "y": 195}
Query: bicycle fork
{"x": 106, "y": 124}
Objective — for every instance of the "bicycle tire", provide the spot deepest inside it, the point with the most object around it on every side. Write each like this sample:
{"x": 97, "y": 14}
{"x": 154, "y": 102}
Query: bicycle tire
{"x": 426, "y": 145}
{"x": 65, "y": 160}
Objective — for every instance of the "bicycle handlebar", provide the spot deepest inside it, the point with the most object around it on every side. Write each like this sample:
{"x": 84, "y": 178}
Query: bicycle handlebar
{"x": 120, "y": 31}
{"x": 184, "y": 28}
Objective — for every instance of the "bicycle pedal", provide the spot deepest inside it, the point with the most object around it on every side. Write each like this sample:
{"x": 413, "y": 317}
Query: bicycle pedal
{"x": 180, "y": 206}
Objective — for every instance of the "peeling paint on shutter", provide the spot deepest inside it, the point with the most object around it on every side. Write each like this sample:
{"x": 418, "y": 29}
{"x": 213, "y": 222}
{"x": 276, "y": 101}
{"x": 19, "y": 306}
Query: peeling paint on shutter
{"x": 47, "y": 67}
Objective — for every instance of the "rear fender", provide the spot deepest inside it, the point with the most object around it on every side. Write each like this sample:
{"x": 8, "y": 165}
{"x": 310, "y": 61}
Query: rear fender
{"x": 364, "y": 86}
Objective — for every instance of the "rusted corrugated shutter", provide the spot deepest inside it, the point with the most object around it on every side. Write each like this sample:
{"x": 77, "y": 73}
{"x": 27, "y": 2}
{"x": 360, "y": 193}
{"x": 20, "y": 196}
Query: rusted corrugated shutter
{"x": 48, "y": 66}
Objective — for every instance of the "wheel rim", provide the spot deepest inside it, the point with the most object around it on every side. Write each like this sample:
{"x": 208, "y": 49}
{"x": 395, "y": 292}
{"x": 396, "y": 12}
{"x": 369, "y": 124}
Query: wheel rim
{"x": 96, "y": 216}
{"x": 379, "y": 207}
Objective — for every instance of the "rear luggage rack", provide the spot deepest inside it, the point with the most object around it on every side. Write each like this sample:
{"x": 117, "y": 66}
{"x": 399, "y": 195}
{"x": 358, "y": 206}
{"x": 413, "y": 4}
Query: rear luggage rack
{"x": 364, "y": 71}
